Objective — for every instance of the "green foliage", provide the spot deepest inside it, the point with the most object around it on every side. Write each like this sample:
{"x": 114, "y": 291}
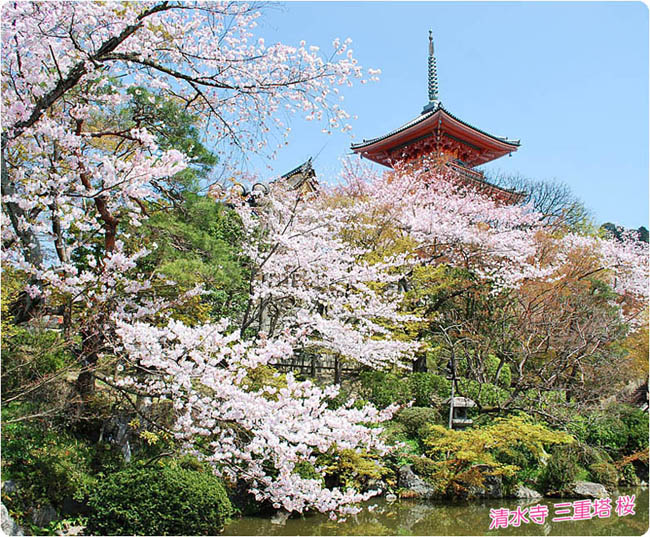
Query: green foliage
{"x": 349, "y": 468}
{"x": 577, "y": 461}
{"x": 12, "y": 283}
{"x": 461, "y": 458}
{"x": 52, "y": 465}
{"x": 424, "y": 389}
{"x": 636, "y": 423}
{"x": 306, "y": 470}
{"x": 503, "y": 434}
{"x": 174, "y": 127}
{"x": 604, "y": 473}
{"x": 588, "y": 455}
{"x": 343, "y": 397}
{"x": 162, "y": 500}
{"x": 29, "y": 355}
{"x": 619, "y": 429}
{"x": 520, "y": 456}
{"x": 628, "y": 476}
{"x": 608, "y": 432}
{"x": 56, "y": 527}
{"x": 424, "y": 466}
{"x": 485, "y": 394}
{"x": 491, "y": 366}
{"x": 383, "y": 389}
{"x": 394, "y": 433}
{"x": 428, "y": 389}
{"x": 264, "y": 376}
{"x": 415, "y": 418}
{"x": 199, "y": 242}
{"x": 561, "y": 471}
{"x": 578, "y": 427}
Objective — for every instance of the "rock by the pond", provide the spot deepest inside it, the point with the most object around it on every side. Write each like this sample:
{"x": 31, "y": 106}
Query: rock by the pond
{"x": 407, "y": 479}
{"x": 525, "y": 493}
{"x": 9, "y": 526}
{"x": 391, "y": 497}
{"x": 376, "y": 485}
{"x": 42, "y": 516}
{"x": 587, "y": 489}
{"x": 280, "y": 518}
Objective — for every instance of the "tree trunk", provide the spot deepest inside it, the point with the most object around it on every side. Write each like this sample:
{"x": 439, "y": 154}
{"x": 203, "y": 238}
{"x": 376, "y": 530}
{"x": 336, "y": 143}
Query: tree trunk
{"x": 420, "y": 364}
{"x": 337, "y": 371}
{"x": 85, "y": 383}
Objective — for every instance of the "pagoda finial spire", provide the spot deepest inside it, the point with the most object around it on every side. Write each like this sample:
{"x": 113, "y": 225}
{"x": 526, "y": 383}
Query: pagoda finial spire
{"x": 433, "y": 78}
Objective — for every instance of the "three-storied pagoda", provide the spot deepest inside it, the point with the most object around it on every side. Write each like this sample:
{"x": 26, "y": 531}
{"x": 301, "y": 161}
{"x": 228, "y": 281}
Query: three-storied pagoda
{"x": 439, "y": 135}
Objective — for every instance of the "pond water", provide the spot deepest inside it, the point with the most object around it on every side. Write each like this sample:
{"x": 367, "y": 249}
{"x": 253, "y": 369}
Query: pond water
{"x": 411, "y": 517}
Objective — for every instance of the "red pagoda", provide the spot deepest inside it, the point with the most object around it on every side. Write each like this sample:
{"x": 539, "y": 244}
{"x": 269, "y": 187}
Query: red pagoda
{"x": 451, "y": 142}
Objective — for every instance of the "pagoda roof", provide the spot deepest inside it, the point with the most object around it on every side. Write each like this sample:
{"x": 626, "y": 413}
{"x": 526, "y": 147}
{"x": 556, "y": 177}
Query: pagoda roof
{"x": 424, "y": 125}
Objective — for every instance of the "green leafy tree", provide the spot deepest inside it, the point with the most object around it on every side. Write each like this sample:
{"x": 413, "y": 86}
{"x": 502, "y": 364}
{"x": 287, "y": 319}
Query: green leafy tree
{"x": 199, "y": 242}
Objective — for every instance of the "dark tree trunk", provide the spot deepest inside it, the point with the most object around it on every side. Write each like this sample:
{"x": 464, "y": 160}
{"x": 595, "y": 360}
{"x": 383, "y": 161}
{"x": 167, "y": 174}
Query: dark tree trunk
{"x": 337, "y": 371}
{"x": 85, "y": 383}
{"x": 420, "y": 364}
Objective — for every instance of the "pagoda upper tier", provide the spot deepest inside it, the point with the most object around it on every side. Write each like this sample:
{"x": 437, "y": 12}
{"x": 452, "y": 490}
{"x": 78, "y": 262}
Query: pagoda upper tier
{"x": 437, "y": 134}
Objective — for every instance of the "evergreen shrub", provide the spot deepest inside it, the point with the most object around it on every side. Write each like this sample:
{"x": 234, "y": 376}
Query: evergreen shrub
{"x": 485, "y": 394}
{"x": 628, "y": 476}
{"x": 52, "y": 466}
{"x": 383, "y": 389}
{"x": 608, "y": 432}
{"x": 621, "y": 430}
{"x": 636, "y": 422}
{"x": 428, "y": 389}
{"x": 162, "y": 500}
{"x": 415, "y": 418}
{"x": 30, "y": 355}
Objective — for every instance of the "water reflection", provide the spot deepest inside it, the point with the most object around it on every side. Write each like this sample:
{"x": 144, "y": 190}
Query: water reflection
{"x": 409, "y": 517}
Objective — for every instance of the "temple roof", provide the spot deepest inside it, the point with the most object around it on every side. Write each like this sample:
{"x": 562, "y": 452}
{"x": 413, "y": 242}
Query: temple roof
{"x": 419, "y": 126}
{"x": 303, "y": 176}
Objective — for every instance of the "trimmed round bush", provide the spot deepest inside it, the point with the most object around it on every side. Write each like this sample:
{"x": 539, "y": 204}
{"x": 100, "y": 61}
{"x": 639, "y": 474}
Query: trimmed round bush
{"x": 428, "y": 389}
{"x": 414, "y": 418}
{"x": 383, "y": 389}
{"x": 166, "y": 500}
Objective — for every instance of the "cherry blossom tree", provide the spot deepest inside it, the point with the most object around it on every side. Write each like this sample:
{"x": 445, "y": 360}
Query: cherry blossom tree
{"x": 262, "y": 435}
{"x": 307, "y": 279}
{"x": 74, "y": 171}
{"x": 67, "y": 70}
{"x": 546, "y": 302}
{"x": 326, "y": 270}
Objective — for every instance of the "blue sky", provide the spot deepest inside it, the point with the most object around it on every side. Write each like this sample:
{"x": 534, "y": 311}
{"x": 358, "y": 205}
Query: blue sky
{"x": 569, "y": 79}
